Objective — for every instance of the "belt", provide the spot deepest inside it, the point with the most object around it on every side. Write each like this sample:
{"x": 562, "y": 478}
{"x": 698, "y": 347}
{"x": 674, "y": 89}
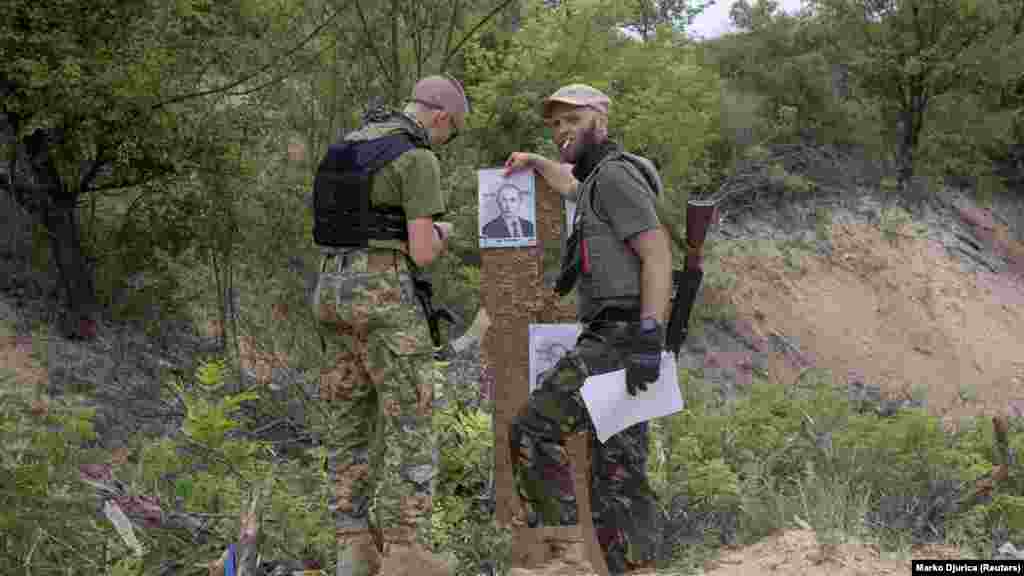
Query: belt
{"x": 616, "y": 315}
{"x": 385, "y": 261}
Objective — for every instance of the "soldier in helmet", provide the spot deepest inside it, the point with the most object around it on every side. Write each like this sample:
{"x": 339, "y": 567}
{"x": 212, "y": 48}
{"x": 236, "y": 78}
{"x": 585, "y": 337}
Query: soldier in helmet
{"x": 619, "y": 260}
{"x": 380, "y": 384}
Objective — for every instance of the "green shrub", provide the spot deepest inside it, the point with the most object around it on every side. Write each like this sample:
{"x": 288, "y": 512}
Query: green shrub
{"x": 805, "y": 455}
{"x": 463, "y": 522}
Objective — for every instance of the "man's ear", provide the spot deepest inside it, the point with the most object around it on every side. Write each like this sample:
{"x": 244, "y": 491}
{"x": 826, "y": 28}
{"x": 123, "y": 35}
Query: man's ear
{"x": 431, "y": 119}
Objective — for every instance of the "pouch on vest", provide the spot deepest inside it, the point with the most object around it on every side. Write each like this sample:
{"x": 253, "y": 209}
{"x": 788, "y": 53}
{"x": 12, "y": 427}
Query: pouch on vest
{"x": 343, "y": 216}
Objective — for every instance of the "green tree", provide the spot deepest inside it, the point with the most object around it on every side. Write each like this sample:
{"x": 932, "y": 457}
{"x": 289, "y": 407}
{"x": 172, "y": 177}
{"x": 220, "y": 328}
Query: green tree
{"x": 104, "y": 98}
{"x": 781, "y": 58}
{"x": 977, "y": 130}
{"x": 906, "y": 53}
{"x": 649, "y": 14}
{"x": 652, "y": 84}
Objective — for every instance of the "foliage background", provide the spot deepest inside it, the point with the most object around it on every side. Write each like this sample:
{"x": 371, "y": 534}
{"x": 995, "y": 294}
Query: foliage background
{"x": 161, "y": 156}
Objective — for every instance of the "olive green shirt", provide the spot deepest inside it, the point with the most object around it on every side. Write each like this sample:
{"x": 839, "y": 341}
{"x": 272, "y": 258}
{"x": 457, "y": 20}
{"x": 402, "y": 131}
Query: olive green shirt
{"x": 624, "y": 201}
{"x": 412, "y": 181}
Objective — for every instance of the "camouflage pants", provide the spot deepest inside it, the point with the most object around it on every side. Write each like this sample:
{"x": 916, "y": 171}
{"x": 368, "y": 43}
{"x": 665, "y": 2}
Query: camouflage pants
{"x": 378, "y": 387}
{"x": 625, "y": 510}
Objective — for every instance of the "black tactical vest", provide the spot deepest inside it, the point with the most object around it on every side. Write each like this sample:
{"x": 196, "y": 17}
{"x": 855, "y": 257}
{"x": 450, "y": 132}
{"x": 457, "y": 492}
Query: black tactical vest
{"x": 343, "y": 216}
{"x": 607, "y": 268}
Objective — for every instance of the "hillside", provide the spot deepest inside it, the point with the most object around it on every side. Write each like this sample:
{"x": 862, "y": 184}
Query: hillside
{"x": 896, "y": 301}
{"x": 919, "y": 308}
{"x": 899, "y": 308}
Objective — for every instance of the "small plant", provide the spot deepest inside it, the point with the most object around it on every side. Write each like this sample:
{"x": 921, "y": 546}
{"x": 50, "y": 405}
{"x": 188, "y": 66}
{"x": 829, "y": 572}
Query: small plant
{"x": 893, "y": 223}
{"x": 757, "y": 153}
{"x": 823, "y": 223}
{"x": 968, "y": 392}
{"x": 777, "y": 176}
{"x": 463, "y": 520}
{"x": 919, "y": 392}
{"x": 210, "y": 416}
{"x": 793, "y": 252}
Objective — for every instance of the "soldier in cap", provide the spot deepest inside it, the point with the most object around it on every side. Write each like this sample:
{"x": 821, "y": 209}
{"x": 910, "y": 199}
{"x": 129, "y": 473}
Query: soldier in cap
{"x": 619, "y": 260}
{"x": 379, "y": 388}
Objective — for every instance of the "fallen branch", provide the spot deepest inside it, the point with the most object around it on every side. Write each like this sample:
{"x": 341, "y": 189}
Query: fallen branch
{"x": 979, "y": 259}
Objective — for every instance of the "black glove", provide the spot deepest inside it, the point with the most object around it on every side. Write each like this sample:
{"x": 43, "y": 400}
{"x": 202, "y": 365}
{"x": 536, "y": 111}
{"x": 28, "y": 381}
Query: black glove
{"x": 643, "y": 364}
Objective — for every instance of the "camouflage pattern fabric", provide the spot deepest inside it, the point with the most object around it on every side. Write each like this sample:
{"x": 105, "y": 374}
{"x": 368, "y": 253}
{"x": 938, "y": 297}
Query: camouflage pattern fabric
{"x": 625, "y": 510}
{"x": 378, "y": 388}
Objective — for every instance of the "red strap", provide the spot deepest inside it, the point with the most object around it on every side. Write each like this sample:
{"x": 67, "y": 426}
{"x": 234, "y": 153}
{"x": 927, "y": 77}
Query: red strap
{"x": 585, "y": 255}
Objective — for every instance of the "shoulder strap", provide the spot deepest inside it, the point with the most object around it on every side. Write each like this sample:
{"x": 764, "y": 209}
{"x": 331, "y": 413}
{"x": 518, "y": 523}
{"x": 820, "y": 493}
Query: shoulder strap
{"x": 648, "y": 173}
{"x": 367, "y": 156}
{"x": 352, "y": 164}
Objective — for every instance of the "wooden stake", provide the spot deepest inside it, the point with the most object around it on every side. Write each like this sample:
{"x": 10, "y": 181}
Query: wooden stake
{"x": 513, "y": 292}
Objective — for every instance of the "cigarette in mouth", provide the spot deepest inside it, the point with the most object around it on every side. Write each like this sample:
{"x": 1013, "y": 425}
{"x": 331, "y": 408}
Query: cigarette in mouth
{"x": 566, "y": 144}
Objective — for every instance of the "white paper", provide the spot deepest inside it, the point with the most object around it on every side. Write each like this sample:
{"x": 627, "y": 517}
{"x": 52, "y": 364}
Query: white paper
{"x": 548, "y": 343}
{"x": 612, "y": 409}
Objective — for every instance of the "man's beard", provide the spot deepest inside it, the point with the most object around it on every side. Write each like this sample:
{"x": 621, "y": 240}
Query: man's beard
{"x": 582, "y": 141}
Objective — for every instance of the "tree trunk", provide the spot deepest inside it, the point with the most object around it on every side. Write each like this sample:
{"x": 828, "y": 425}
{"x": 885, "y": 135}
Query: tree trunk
{"x": 61, "y": 221}
{"x": 912, "y": 117}
{"x": 396, "y": 61}
{"x": 905, "y": 158}
{"x": 40, "y": 191}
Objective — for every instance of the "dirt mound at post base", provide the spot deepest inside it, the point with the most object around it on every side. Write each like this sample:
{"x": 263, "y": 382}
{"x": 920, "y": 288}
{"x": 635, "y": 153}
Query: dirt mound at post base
{"x": 799, "y": 552}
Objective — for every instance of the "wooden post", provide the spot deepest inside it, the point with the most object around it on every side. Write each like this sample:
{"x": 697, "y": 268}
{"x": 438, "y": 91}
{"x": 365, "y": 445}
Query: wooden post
{"x": 513, "y": 292}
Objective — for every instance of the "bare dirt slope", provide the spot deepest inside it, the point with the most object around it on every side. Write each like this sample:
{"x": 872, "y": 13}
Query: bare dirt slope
{"x": 933, "y": 309}
{"x": 901, "y": 311}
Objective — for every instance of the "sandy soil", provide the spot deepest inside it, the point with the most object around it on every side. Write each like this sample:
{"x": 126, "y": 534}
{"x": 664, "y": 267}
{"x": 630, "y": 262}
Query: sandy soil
{"x": 798, "y": 552}
{"x": 903, "y": 316}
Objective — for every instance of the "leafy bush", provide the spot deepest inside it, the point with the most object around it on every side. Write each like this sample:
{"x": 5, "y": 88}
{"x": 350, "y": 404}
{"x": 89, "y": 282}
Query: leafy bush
{"x": 808, "y": 455}
{"x": 49, "y": 517}
{"x": 463, "y": 521}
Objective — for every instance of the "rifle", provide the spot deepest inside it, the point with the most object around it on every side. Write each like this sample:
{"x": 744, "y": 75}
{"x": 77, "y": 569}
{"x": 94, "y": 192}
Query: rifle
{"x": 424, "y": 291}
{"x": 686, "y": 282}
{"x": 685, "y": 285}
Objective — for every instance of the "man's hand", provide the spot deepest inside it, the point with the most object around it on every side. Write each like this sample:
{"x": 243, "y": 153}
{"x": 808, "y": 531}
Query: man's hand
{"x": 558, "y": 175}
{"x": 643, "y": 364}
{"x": 519, "y": 161}
{"x": 446, "y": 230}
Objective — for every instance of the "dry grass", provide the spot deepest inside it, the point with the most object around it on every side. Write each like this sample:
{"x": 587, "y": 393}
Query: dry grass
{"x": 16, "y": 357}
